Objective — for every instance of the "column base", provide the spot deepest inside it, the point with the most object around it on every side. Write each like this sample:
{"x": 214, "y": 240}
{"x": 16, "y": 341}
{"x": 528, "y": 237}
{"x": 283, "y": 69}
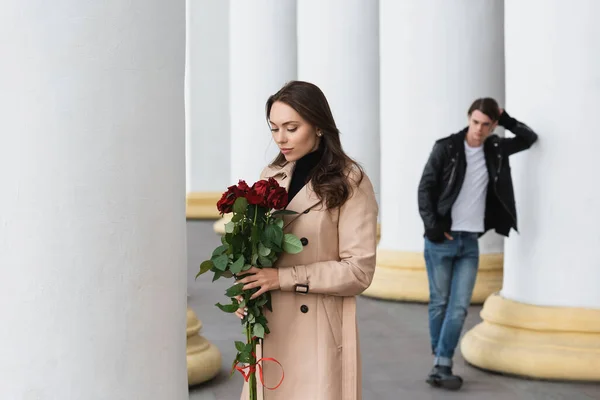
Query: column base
{"x": 219, "y": 225}
{"x": 202, "y": 205}
{"x": 203, "y": 358}
{"x": 557, "y": 343}
{"x": 402, "y": 276}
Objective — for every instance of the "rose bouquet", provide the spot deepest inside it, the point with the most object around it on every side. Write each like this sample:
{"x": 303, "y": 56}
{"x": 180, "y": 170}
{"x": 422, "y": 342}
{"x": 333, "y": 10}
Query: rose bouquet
{"x": 253, "y": 237}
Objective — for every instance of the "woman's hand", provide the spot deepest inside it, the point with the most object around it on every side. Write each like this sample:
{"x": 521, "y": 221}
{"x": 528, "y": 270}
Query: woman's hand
{"x": 264, "y": 278}
{"x": 242, "y": 311}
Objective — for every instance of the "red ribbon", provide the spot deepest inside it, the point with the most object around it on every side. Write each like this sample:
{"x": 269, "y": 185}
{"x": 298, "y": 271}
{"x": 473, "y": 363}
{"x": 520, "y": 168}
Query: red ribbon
{"x": 252, "y": 368}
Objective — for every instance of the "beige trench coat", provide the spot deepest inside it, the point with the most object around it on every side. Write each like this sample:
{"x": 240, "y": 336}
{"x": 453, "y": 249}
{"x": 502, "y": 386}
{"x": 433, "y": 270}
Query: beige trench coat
{"x": 315, "y": 336}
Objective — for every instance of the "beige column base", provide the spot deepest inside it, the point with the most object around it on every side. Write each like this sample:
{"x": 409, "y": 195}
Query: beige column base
{"x": 402, "y": 276}
{"x": 219, "y": 225}
{"x": 559, "y": 343}
{"x": 203, "y": 358}
{"x": 202, "y": 205}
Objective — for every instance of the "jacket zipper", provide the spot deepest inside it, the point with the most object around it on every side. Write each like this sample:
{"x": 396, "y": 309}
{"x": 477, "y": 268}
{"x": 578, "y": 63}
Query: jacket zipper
{"x": 451, "y": 180}
{"x": 496, "y": 189}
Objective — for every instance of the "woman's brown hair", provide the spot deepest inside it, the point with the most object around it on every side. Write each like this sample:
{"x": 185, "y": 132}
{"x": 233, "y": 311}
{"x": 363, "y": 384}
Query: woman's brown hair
{"x": 331, "y": 178}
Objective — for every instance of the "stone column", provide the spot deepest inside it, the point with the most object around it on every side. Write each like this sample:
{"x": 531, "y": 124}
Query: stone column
{"x": 92, "y": 217}
{"x": 546, "y": 321}
{"x": 436, "y": 58}
{"x": 338, "y": 50}
{"x": 207, "y": 106}
{"x": 262, "y": 58}
{"x": 207, "y": 145}
{"x": 262, "y": 54}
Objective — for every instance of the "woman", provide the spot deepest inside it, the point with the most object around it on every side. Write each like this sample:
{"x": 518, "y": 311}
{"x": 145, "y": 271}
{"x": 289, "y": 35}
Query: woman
{"x": 313, "y": 323}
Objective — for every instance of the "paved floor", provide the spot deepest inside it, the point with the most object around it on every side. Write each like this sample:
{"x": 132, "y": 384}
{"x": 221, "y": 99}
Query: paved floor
{"x": 394, "y": 342}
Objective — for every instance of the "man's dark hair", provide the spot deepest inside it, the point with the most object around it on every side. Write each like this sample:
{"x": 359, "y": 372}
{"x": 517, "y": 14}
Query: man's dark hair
{"x": 488, "y": 106}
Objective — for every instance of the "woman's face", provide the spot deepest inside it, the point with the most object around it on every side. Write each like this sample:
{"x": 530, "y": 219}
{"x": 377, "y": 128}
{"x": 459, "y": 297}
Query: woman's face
{"x": 294, "y": 136}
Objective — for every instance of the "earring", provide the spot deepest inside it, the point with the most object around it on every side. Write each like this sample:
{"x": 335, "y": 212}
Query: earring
{"x": 319, "y": 134}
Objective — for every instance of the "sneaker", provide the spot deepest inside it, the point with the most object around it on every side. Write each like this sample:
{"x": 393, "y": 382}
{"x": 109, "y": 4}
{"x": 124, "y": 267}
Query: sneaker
{"x": 442, "y": 377}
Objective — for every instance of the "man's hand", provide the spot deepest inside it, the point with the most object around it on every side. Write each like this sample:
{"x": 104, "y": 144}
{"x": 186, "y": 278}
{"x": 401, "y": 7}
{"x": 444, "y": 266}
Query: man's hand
{"x": 448, "y": 236}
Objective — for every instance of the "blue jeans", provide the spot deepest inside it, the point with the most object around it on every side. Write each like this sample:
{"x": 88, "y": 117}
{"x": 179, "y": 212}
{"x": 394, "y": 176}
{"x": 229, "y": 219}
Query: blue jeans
{"x": 451, "y": 268}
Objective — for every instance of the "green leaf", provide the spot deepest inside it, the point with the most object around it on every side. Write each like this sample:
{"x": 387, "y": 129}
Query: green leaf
{"x": 240, "y": 205}
{"x": 221, "y": 262}
{"x": 254, "y": 258}
{"x": 245, "y": 358}
{"x": 229, "y": 227}
{"x": 220, "y": 250}
{"x": 278, "y": 235}
{"x": 264, "y": 261}
{"x": 263, "y": 250}
{"x": 250, "y": 318}
{"x": 233, "y": 365}
{"x": 259, "y": 331}
{"x": 237, "y": 266}
{"x": 261, "y": 301}
{"x": 269, "y": 234}
{"x": 275, "y": 249}
{"x": 228, "y": 308}
{"x": 248, "y": 348}
{"x": 283, "y": 212}
{"x": 291, "y": 244}
{"x": 205, "y": 267}
{"x": 235, "y": 290}
{"x": 237, "y": 243}
{"x": 237, "y": 217}
{"x": 247, "y": 267}
{"x": 240, "y": 346}
{"x": 279, "y": 223}
{"x": 218, "y": 274}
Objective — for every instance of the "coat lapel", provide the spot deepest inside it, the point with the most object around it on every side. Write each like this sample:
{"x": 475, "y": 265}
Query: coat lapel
{"x": 304, "y": 200}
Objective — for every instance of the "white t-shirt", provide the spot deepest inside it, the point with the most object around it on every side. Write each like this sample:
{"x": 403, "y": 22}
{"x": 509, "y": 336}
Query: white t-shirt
{"x": 468, "y": 211}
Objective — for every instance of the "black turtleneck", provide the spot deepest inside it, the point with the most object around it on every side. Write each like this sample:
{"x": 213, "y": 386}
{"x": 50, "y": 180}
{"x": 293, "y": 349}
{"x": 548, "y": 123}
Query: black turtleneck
{"x": 302, "y": 170}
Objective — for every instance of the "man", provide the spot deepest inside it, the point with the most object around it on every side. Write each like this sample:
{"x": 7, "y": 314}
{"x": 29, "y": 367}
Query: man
{"x": 465, "y": 190}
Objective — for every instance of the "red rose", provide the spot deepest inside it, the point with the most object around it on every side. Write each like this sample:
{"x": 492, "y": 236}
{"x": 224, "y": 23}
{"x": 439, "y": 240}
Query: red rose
{"x": 243, "y": 186}
{"x": 273, "y": 184}
{"x": 253, "y": 197}
{"x": 259, "y": 193}
{"x": 278, "y": 198}
{"x": 225, "y": 204}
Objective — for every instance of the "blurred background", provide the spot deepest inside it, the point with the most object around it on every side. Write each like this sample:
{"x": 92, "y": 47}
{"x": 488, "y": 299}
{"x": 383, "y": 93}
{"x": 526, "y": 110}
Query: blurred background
{"x": 400, "y": 75}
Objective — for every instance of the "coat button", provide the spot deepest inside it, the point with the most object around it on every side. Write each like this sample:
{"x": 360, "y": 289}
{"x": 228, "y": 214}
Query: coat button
{"x": 304, "y": 241}
{"x": 304, "y": 308}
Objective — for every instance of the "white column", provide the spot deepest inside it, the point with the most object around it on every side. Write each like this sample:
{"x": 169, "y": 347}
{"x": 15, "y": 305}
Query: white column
{"x": 554, "y": 261}
{"x": 207, "y": 96}
{"x": 546, "y": 321}
{"x": 338, "y": 50}
{"x": 207, "y": 106}
{"x": 262, "y": 58}
{"x": 437, "y": 57}
{"x": 92, "y": 225}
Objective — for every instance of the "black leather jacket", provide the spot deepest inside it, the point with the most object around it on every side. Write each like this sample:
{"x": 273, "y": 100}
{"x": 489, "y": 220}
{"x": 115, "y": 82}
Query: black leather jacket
{"x": 444, "y": 175}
